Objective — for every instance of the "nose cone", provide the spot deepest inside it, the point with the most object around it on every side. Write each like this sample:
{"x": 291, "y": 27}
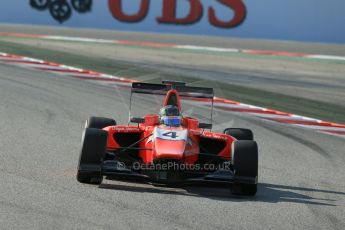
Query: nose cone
{"x": 170, "y": 142}
{"x": 169, "y": 149}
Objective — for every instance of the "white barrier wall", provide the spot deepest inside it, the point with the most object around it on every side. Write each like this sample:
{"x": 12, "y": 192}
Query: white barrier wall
{"x": 300, "y": 20}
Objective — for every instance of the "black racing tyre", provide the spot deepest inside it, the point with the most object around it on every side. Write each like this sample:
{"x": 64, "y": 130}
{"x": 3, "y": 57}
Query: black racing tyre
{"x": 245, "y": 164}
{"x": 240, "y": 134}
{"x": 94, "y": 142}
{"x": 99, "y": 122}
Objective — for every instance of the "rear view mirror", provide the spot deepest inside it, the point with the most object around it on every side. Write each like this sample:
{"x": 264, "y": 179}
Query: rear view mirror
{"x": 205, "y": 126}
{"x": 137, "y": 120}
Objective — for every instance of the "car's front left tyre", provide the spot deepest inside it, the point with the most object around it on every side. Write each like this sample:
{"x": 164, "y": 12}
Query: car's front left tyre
{"x": 245, "y": 164}
{"x": 239, "y": 133}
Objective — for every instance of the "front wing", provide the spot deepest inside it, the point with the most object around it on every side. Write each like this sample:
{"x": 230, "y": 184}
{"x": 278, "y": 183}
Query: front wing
{"x": 113, "y": 170}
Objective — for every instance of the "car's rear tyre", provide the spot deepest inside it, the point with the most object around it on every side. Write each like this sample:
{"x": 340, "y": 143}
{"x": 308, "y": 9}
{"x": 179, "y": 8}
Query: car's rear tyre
{"x": 99, "y": 122}
{"x": 245, "y": 165}
{"x": 94, "y": 142}
{"x": 240, "y": 134}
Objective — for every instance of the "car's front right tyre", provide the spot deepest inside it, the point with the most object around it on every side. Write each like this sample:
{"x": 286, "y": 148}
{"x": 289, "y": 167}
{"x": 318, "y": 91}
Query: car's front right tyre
{"x": 99, "y": 122}
{"x": 94, "y": 142}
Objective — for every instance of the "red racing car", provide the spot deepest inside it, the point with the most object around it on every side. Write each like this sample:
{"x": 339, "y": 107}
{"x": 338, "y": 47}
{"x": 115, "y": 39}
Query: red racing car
{"x": 169, "y": 147}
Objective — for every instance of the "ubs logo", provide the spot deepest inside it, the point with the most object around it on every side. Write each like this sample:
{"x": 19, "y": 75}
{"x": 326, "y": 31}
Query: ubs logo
{"x": 196, "y": 11}
{"x": 61, "y": 10}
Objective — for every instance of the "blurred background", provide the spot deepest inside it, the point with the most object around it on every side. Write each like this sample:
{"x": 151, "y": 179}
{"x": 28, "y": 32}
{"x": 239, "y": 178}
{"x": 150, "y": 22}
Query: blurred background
{"x": 307, "y": 20}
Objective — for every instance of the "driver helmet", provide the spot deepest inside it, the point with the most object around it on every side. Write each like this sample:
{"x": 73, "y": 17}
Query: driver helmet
{"x": 170, "y": 115}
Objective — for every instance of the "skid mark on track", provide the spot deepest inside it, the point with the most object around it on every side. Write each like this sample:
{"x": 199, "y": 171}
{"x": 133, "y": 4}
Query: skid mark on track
{"x": 309, "y": 144}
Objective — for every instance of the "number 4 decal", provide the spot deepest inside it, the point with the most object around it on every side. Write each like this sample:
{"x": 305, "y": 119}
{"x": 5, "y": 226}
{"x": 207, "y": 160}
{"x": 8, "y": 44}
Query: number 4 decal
{"x": 170, "y": 134}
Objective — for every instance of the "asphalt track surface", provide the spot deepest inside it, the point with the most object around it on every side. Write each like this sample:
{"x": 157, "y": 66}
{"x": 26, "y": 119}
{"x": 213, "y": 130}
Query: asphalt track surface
{"x": 301, "y": 172}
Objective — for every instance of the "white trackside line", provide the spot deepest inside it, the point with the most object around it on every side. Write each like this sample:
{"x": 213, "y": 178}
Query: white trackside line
{"x": 37, "y": 66}
{"x": 78, "y": 39}
{"x": 273, "y": 116}
{"x": 61, "y": 67}
{"x": 321, "y": 128}
{"x": 238, "y": 106}
{"x": 326, "y": 57}
{"x": 206, "y": 48}
{"x": 78, "y": 74}
{"x": 331, "y": 133}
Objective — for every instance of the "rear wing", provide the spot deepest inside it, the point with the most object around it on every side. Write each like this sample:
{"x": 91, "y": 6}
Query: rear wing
{"x": 162, "y": 89}
{"x": 183, "y": 90}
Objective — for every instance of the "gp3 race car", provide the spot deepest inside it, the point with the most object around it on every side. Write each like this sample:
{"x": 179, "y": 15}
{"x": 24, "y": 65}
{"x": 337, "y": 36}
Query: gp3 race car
{"x": 169, "y": 148}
